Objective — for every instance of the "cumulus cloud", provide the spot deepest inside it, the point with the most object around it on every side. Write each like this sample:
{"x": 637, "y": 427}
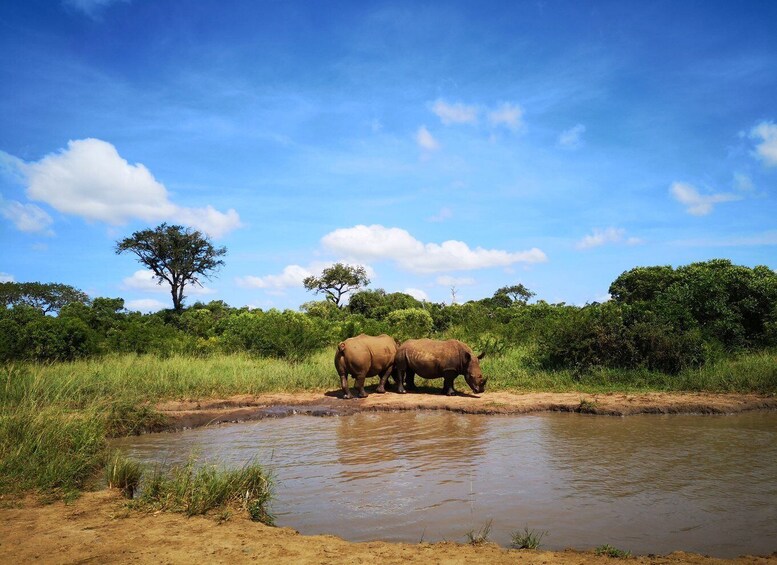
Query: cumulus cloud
{"x": 695, "y": 203}
{"x": 426, "y": 140}
{"x": 417, "y": 293}
{"x": 508, "y": 115}
{"x": 144, "y": 305}
{"x": 455, "y": 113}
{"x": 572, "y": 138}
{"x": 91, "y": 180}
{"x": 5, "y": 277}
{"x": 766, "y": 150}
{"x": 292, "y": 276}
{"x": 447, "y": 280}
{"x": 376, "y": 242}
{"x": 601, "y": 237}
{"x": 144, "y": 281}
{"x": 28, "y": 218}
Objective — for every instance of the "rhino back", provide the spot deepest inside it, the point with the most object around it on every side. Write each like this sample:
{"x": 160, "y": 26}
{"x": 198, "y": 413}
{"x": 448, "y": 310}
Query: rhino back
{"x": 428, "y": 358}
{"x": 370, "y": 353}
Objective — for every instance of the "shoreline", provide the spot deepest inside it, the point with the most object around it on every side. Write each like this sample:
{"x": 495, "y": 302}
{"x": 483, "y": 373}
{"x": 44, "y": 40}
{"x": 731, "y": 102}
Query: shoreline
{"x": 186, "y": 414}
{"x": 99, "y": 527}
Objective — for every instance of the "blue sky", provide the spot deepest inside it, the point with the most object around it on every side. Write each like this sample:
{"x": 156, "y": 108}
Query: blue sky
{"x": 450, "y": 144}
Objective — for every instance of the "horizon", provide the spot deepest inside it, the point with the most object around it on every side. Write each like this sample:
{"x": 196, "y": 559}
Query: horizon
{"x": 549, "y": 144}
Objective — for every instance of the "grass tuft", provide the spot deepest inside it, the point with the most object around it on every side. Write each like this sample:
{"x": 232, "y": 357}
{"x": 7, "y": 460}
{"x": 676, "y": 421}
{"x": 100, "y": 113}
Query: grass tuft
{"x": 481, "y": 536}
{"x": 528, "y": 539}
{"x": 611, "y": 551}
{"x": 194, "y": 489}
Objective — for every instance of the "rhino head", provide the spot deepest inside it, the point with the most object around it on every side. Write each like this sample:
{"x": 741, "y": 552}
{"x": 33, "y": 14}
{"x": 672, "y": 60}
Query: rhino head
{"x": 472, "y": 373}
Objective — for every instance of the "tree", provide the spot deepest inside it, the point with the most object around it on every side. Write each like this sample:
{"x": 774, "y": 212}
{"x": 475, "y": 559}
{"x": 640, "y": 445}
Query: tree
{"x": 337, "y": 280}
{"x": 46, "y": 297}
{"x": 177, "y": 255}
{"x": 517, "y": 293}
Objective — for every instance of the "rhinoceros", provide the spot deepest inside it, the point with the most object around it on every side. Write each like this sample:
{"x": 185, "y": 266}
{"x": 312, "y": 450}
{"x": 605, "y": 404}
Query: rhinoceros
{"x": 365, "y": 356}
{"x": 434, "y": 359}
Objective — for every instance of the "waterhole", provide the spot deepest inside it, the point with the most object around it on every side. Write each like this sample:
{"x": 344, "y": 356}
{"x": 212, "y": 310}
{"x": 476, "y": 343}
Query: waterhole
{"x": 646, "y": 484}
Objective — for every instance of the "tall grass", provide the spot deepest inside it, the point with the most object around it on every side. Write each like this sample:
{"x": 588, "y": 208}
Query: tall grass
{"x": 49, "y": 449}
{"x": 195, "y": 489}
{"x": 54, "y": 418}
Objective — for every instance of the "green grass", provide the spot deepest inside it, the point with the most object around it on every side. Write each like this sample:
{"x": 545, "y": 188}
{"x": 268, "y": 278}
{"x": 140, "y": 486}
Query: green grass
{"x": 611, "y": 551}
{"x": 55, "y": 418}
{"x": 528, "y": 539}
{"x": 481, "y": 536}
{"x": 195, "y": 489}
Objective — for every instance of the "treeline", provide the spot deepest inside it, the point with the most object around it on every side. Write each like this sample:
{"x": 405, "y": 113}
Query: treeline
{"x": 660, "y": 318}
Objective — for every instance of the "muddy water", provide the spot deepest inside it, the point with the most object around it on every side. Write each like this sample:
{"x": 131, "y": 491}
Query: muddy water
{"x": 648, "y": 484}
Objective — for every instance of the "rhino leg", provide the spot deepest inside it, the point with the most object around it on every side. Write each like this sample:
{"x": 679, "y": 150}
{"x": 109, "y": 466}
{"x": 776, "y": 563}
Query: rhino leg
{"x": 447, "y": 386}
{"x": 383, "y": 378}
{"x": 344, "y": 384}
{"x": 409, "y": 380}
{"x": 360, "y": 386}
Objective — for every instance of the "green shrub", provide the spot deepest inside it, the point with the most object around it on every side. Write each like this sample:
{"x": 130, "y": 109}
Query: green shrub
{"x": 410, "y": 323}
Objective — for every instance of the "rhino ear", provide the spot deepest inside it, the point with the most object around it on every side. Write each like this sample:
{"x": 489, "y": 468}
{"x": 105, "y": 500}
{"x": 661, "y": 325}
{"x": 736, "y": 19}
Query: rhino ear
{"x": 482, "y": 355}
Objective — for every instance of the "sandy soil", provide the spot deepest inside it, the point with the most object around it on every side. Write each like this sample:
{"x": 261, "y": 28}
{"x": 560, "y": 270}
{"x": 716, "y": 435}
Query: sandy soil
{"x": 99, "y": 527}
{"x": 186, "y": 414}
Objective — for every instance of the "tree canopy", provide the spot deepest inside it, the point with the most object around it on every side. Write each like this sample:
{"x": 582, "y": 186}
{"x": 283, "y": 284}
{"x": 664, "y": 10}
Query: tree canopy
{"x": 177, "y": 255}
{"x": 337, "y": 281}
{"x": 49, "y": 298}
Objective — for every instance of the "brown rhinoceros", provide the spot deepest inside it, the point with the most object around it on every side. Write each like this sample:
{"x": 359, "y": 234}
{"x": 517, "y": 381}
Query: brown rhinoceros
{"x": 433, "y": 359}
{"x": 366, "y": 356}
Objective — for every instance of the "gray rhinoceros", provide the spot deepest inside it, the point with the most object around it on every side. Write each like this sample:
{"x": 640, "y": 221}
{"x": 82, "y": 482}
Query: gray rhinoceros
{"x": 434, "y": 359}
{"x": 365, "y": 356}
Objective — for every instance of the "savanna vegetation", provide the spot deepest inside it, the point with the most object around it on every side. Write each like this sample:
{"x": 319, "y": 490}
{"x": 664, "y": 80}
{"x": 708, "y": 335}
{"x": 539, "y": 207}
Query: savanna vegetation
{"x": 75, "y": 370}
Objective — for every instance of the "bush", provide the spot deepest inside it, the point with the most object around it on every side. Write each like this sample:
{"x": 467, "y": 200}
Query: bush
{"x": 410, "y": 323}
{"x": 608, "y": 335}
{"x": 286, "y": 335}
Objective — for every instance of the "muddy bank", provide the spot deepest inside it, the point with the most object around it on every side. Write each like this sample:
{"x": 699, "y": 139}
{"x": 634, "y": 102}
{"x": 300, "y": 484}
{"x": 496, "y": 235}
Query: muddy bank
{"x": 194, "y": 413}
{"x": 99, "y": 528}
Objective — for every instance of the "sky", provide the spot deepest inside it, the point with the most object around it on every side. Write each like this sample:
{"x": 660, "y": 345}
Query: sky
{"x": 451, "y": 148}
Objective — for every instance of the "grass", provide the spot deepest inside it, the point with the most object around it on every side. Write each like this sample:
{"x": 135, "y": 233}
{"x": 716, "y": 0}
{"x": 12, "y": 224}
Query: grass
{"x": 611, "y": 551}
{"x": 195, "y": 489}
{"x": 481, "y": 536}
{"x": 528, "y": 539}
{"x": 55, "y": 417}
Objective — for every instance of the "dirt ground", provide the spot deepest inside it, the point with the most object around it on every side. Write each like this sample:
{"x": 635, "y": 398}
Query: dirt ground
{"x": 99, "y": 528}
{"x": 188, "y": 414}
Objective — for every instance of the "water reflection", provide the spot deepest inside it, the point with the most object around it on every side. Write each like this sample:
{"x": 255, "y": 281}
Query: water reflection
{"x": 649, "y": 484}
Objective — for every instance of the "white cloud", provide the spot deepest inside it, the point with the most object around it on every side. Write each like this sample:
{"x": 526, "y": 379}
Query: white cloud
{"x": 28, "y": 218}
{"x": 145, "y": 305}
{"x": 743, "y": 182}
{"x": 5, "y": 277}
{"x": 609, "y": 235}
{"x": 91, "y": 180}
{"x": 292, "y": 276}
{"x": 571, "y": 138}
{"x": 417, "y": 293}
{"x": 447, "y": 280}
{"x": 455, "y": 113}
{"x": 696, "y": 203}
{"x": 445, "y": 213}
{"x": 144, "y": 281}
{"x": 426, "y": 140}
{"x": 376, "y": 242}
{"x": 90, "y": 7}
{"x": 508, "y": 115}
{"x": 767, "y": 149}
